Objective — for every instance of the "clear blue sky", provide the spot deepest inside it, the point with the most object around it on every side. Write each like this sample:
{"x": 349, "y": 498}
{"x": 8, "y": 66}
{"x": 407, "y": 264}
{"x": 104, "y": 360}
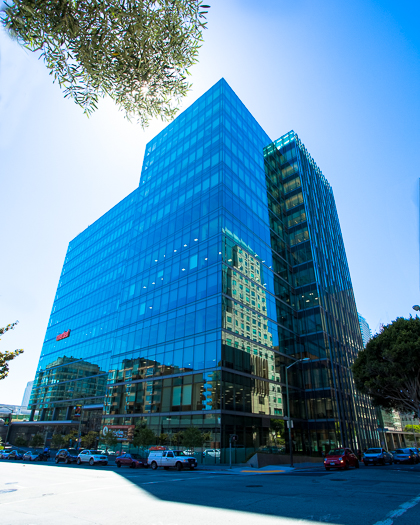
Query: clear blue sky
{"x": 344, "y": 75}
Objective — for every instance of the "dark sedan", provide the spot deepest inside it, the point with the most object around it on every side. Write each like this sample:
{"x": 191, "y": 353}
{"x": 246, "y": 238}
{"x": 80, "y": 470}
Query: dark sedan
{"x": 66, "y": 455}
{"x": 15, "y": 454}
{"x": 131, "y": 460}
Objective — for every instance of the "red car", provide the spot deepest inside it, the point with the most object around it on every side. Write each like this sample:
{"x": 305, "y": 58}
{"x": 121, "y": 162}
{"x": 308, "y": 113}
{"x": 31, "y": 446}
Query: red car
{"x": 131, "y": 460}
{"x": 340, "y": 458}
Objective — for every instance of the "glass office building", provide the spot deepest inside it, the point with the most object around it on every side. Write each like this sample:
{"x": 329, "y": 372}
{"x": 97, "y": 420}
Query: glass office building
{"x": 183, "y": 304}
{"x": 365, "y": 330}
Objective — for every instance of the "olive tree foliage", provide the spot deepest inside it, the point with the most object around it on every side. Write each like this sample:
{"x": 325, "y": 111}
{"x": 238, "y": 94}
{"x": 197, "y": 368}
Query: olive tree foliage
{"x": 143, "y": 437}
{"x": 412, "y": 428}
{"x": 109, "y": 439}
{"x": 5, "y": 357}
{"x": 388, "y": 369}
{"x": 192, "y": 438}
{"x": 138, "y": 52}
{"x": 90, "y": 439}
{"x": 57, "y": 440}
{"x": 20, "y": 442}
{"x": 37, "y": 440}
{"x": 277, "y": 428}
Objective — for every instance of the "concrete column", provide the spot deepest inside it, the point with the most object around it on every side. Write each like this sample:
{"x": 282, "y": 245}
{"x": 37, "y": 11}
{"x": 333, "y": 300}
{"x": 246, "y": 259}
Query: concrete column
{"x": 68, "y": 413}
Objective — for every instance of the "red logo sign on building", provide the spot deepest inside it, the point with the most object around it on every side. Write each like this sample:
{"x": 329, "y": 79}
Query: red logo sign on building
{"x": 63, "y": 335}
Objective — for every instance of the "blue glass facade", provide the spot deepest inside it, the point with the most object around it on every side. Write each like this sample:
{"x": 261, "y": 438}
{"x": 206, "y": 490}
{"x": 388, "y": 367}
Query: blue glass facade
{"x": 365, "y": 329}
{"x": 187, "y": 299}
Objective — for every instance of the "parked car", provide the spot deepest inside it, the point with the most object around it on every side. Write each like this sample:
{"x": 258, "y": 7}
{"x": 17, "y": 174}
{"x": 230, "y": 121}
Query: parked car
{"x": 211, "y": 452}
{"x": 44, "y": 455}
{"x": 92, "y": 457}
{"x": 4, "y": 454}
{"x": 15, "y": 454}
{"x": 31, "y": 455}
{"x": 131, "y": 460}
{"x": 416, "y": 453}
{"x": 271, "y": 450}
{"x": 67, "y": 455}
{"x": 377, "y": 456}
{"x": 404, "y": 455}
{"x": 171, "y": 458}
{"x": 340, "y": 458}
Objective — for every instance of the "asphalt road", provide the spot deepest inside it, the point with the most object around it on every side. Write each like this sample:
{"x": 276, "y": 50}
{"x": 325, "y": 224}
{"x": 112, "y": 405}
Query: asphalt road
{"x": 49, "y": 494}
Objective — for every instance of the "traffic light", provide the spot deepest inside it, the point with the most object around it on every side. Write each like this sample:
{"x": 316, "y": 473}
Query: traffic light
{"x": 233, "y": 438}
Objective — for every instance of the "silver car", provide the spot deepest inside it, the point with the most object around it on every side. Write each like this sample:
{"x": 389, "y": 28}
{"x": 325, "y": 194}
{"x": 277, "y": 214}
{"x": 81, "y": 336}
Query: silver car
{"x": 31, "y": 455}
{"x": 404, "y": 455}
{"x": 92, "y": 457}
{"x": 377, "y": 456}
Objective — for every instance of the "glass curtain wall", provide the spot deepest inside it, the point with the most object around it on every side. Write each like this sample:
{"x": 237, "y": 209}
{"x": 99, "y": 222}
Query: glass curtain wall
{"x": 328, "y": 328}
{"x": 75, "y": 356}
{"x": 183, "y": 305}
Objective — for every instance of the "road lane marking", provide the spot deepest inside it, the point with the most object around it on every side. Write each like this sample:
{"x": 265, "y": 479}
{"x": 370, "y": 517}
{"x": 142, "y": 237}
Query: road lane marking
{"x": 262, "y": 471}
{"x": 389, "y": 520}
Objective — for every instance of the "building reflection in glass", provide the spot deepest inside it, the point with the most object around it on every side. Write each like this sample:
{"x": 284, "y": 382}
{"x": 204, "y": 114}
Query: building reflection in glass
{"x": 63, "y": 381}
{"x": 248, "y": 340}
{"x": 189, "y": 392}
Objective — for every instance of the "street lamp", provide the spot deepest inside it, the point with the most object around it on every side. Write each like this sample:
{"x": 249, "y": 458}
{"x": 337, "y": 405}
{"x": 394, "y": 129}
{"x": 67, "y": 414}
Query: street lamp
{"x": 288, "y": 407}
{"x": 416, "y": 307}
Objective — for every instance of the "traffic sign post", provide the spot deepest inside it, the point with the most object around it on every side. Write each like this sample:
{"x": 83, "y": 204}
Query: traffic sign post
{"x": 232, "y": 438}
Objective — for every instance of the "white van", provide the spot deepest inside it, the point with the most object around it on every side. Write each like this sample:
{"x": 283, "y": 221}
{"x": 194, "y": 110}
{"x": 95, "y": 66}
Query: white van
{"x": 171, "y": 458}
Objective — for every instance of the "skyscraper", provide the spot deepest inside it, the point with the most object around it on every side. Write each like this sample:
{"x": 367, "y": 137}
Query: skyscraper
{"x": 365, "y": 329}
{"x": 27, "y": 394}
{"x": 191, "y": 296}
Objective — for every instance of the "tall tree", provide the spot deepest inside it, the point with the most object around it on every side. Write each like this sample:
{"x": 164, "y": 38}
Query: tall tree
{"x": 90, "y": 440}
{"x": 143, "y": 437}
{"x": 5, "y": 357}
{"x": 277, "y": 427}
{"x": 163, "y": 439}
{"x": 388, "y": 369}
{"x": 109, "y": 439}
{"x": 69, "y": 440}
{"x": 177, "y": 438}
{"x": 37, "y": 440}
{"x": 412, "y": 428}
{"x": 138, "y": 52}
{"x": 57, "y": 440}
{"x": 192, "y": 437}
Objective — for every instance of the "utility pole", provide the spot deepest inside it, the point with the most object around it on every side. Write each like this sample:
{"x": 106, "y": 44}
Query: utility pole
{"x": 289, "y": 422}
{"x": 232, "y": 437}
{"x": 79, "y": 434}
